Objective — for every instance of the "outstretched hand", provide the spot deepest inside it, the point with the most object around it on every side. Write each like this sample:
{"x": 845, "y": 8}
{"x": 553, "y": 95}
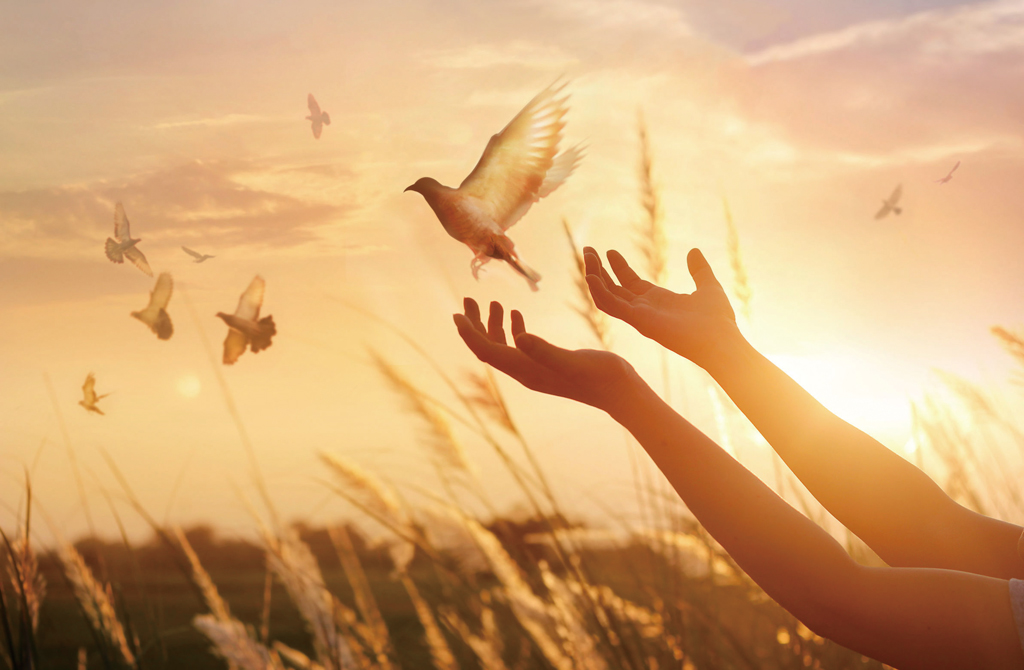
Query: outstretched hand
{"x": 690, "y": 324}
{"x": 596, "y": 378}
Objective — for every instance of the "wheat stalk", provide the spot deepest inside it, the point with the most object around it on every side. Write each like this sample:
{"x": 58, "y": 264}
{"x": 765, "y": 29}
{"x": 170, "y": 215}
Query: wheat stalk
{"x": 651, "y": 239}
{"x": 595, "y": 319}
{"x": 741, "y": 280}
{"x": 235, "y": 643}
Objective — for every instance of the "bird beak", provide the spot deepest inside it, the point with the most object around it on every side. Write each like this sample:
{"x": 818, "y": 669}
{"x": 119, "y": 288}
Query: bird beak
{"x": 408, "y": 188}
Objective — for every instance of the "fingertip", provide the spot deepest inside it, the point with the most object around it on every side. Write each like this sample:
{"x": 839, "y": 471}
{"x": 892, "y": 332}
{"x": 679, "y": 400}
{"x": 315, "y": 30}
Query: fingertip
{"x": 518, "y": 323}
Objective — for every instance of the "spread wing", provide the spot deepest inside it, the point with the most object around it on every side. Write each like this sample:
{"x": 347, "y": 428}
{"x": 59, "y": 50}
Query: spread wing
{"x": 193, "y": 254}
{"x": 884, "y": 211}
{"x": 512, "y": 169}
{"x": 161, "y": 293}
{"x": 954, "y": 168}
{"x": 121, "y": 232}
{"x": 318, "y": 127}
{"x": 89, "y": 389}
{"x": 895, "y": 197}
{"x": 314, "y": 108}
{"x": 234, "y": 346}
{"x": 139, "y": 259}
{"x": 251, "y": 301}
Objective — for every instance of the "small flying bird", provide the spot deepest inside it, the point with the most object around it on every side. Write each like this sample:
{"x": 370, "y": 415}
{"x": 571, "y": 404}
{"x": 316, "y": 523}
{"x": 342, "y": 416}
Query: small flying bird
{"x": 155, "y": 314}
{"x": 948, "y": 176}
{"x": 90, "y": 398}
{"x": 520, "y": 165}
{"x": 890, "y": 204}
{"x": 319, "y": 119}
{"x": 122, "y": 245}
{"x": 245, "y": 327}
{"x": 199, "y": 258}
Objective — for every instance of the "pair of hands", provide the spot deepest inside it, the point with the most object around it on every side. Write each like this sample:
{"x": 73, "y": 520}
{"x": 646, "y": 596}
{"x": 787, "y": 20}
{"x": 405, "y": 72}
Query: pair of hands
{"x": 689, "y": 324}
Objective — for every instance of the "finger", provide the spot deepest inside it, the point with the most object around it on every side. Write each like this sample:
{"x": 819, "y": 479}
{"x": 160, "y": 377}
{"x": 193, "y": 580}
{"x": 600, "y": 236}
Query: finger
{"x": 473, "y": 338}
{"x": 607, "y": 301}
{"x": 591, "y": 261}
{"x": 518, "y": 325}
{"x": 473, "y": 313}
{"x": 627, "y": 277}
{"x": 593, "y": 265}
{"x": 700, "y": 269}
{"x": 543, "y": 352}
{"x": 495, "y": 323}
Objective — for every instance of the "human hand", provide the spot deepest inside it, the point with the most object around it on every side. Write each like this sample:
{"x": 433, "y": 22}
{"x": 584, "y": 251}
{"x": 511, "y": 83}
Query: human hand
{"x": 600, "y": 379}
{"x": 691, "y": 324}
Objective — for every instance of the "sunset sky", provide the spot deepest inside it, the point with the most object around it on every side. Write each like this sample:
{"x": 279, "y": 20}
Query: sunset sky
{"x": 803, "y": 114}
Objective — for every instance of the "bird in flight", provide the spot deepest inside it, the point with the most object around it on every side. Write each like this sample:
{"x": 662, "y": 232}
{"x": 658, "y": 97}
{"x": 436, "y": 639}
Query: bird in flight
{"x": 520, "y": 165}
{"x": 890, "y": 204}
{"x": 319, "y": 119}
{"x": 949, "y": 176}
{"x": 199, "y": 258}
{"x": 245, "y": 327}
{"x": 122, "y": 246}
{"x": 90, "y": 398}
{"x": 155, "y": 314}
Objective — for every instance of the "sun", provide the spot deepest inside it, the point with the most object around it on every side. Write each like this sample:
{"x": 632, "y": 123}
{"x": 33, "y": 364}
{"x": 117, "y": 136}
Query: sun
{"x": 189, "y": 385}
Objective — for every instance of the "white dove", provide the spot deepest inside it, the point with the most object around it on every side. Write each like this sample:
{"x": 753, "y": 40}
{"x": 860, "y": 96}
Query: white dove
{"x": 90, "y": 398}
{"x": 890, "y": 204}
{"x": 518, "y": 168}
{"x": 122, "y": 245}
{"x": 155, "y": 314}
{"x": 948, "y": 176}
{"x": 199, "y": 258}
{"x": 319, "y": 119}
{"x": 245, "y": 326}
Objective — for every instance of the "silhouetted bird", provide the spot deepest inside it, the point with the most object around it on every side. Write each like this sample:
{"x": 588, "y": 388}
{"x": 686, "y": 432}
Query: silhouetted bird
{"x": 890, "y": 204}
{"x": 518, "y": 168}
{"x": 948, "y": 176}
{"x": 122, "y": 245}
{"x": 90, "y": 398}
{"x": 155, "y": 314}
{"x": 199, "y": 258}
{"x": 319, "y": 119}
{"x": 245, "y": 326}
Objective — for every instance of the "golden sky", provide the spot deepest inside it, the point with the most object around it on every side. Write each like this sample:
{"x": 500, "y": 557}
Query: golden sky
{"x": 804, "y": 114}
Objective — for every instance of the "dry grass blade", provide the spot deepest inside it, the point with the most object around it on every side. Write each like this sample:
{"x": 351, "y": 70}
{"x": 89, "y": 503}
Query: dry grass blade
{"x": 485, "y": 396}
{"x": 484, "y": 646}
{"x": 1014, "y": 345}
{"x": 235, "y": 643}
{"x": 440, "y": 652}
{"x": 202, "y": 580}
{"x": 652, "y": 241}
{"x": 741, "y": 281}
{"x": 445, "y": 448}
{"x": 96, "y": 602}
{"x": 595, "y": 319}
{"x": 376, "y": 630}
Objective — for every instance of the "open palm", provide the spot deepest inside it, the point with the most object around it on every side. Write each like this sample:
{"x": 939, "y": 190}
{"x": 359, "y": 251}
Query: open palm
{"x": 596, "y": 378}
{"x": 690, "y": 324}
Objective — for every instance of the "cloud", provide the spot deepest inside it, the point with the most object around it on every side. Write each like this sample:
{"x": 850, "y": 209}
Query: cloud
{"x": 213, "y": 203}
{"x": 226, "y": 120}
{"x": 518, "y": 53}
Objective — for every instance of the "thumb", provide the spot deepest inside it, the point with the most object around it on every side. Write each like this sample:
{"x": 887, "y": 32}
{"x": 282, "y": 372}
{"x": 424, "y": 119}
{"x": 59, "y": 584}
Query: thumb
{"x": 541, "y": 351}
{"x": 700, "y": 270}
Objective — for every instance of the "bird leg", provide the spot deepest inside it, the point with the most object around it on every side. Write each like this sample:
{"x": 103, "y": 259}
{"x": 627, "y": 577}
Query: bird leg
{"x": 478, "y": 262}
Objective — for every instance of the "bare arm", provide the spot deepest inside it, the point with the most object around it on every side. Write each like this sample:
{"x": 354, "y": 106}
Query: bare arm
{"x": 886, "y": 501}
{"x": 910, "y": 618}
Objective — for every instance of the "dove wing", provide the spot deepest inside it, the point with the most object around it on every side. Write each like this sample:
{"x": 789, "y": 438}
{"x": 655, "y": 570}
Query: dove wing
{"x": 121, "y": 231}
{"x": 954, "y": 168}
{"x": 885, "y": 210}
{"x": 139, "y": 259}
{"x": 318, "y": 127}
{"x": 161, "y": 293}
{"x": 895, "y": 197}
{"x": 234, "y": 346}
{"x": 88, "y": 389}
{"x": 250, "y": 302}
{"x": 314, "y": 108}
{"x": 193, "y": 254}
{"x": 508, "y": 178}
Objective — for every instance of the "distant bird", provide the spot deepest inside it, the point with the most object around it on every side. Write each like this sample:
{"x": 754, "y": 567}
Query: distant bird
{"x": 155, "y": 314}
{"x": 122, "y": 245}
{"x": 890, "y": 204}
{"x": 245, "y": 326}
{"x": 948, "y": 176}
{"x": 518, "y": 168}
{"x": 199, "y": 258}
{"x": 319, "y": 119}
{"x": 90, "y": 398}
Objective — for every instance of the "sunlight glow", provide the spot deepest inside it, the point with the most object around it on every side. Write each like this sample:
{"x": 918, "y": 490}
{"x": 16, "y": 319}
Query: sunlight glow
{"x": 189, "y": 386}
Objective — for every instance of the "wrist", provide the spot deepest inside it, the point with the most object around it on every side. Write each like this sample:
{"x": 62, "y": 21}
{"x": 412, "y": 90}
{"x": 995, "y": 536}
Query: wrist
{"x": 726, "y": 350}
{"x": 629, "y": 400}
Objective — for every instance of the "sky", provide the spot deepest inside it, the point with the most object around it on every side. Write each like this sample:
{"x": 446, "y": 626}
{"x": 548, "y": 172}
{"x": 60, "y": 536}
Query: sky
{"x": 802, "y": 114}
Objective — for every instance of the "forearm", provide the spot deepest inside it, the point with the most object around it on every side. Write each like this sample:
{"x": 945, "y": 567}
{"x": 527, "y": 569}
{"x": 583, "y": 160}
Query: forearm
{"x": 890, "y": 504}
{"x": 792, "y": 559}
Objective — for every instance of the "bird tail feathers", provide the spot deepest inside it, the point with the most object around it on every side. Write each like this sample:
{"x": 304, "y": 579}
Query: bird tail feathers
{"x": 531, "y": 275}
{"x": 897, "y": 210}
{"x": 114, "y": 252}
{"x": 326, "y": 119}
{"x": 267, "y": 331}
